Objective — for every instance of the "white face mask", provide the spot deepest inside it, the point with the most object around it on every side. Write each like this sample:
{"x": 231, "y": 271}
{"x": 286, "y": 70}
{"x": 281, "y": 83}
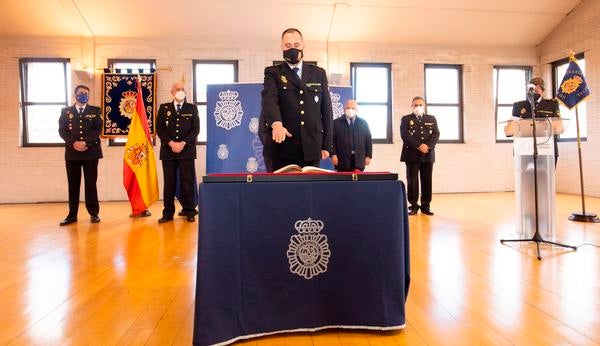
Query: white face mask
{"x": 419, "y": 110}
{"x": 180, "y": 95}
{"x": 350, "y": 113}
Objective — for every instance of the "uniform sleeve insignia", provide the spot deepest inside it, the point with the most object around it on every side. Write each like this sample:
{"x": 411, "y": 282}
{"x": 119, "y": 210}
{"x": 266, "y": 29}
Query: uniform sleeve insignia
{"x": 186, "y": 115}
{"x": 283, "y": 79}
{"x": 523, "y": 110}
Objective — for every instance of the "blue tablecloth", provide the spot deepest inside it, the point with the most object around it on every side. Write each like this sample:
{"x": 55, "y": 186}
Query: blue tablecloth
{"x": 300, "y": 256}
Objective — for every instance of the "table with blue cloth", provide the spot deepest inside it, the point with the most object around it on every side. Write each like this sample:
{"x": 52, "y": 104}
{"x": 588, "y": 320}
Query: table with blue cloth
{"x": 291, "y": 256}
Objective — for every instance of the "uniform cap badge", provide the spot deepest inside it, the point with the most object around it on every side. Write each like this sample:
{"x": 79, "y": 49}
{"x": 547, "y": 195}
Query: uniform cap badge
{"x": 523, "y": 110}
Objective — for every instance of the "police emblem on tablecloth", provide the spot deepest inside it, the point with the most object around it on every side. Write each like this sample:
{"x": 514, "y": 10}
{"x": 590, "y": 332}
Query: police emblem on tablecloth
{"x": 336, "y": 105}
{"x": 136, "y": 154}
{"x": 223, "y": 152}
{"x": 252, "y": 165}
{"x": 253, "y": 125}
{"x": 308, "y": 253}
{"x": 228, "y": 112}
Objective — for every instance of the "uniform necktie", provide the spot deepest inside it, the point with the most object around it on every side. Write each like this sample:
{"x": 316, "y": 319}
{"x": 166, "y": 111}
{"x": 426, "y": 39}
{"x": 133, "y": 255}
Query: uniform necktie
{"x": 79, "y": 110}
{"x": 178, "y": 108}
{"x": 296, "y": 70}
{"x": 352, "y": 134}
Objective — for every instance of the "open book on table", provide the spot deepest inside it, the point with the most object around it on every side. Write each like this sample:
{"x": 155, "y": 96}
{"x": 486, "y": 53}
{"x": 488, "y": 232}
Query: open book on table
{"x": 306, "y": 169}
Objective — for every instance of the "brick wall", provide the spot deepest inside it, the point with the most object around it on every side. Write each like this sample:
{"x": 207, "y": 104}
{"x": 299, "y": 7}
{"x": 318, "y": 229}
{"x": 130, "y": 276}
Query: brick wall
{"x": 579, "y": 32}
{"x": 480, "y": 164}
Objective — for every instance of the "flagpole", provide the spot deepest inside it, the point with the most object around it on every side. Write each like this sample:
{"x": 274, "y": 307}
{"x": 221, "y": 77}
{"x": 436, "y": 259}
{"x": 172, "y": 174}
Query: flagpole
{"x": 581, "y": 217}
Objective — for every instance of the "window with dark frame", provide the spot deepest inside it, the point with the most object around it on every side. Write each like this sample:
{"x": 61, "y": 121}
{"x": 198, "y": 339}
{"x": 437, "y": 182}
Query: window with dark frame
{"x": 559, "y": 68}
{"x": 210, "y": 72}
{"x": 129, "y": 66}
{"x": 45, "y": 88}
{"x": 372, "y": 90}
{"x": 509, "y": 87}
{"x": 444, "y": 98}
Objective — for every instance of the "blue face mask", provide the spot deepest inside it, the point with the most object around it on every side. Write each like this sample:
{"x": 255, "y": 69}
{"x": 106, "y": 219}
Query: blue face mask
{"x": 82, "y": 98}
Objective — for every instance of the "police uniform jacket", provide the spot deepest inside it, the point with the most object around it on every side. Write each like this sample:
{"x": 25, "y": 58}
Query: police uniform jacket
{"x": 86, "y": 127}
{"x": 543, "y": 109}
{"x": 171, "y": 126}
{"x": 415, "y": 132}
{"x": 342, "y": 142}
{"x": 304, "y": 108}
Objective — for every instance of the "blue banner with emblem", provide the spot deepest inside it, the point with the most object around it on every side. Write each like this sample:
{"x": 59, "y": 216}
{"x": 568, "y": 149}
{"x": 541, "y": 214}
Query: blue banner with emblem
{"x": 118, "y": 102}
{"x": 573, "y": 88}
{"x": 233, "y": 144}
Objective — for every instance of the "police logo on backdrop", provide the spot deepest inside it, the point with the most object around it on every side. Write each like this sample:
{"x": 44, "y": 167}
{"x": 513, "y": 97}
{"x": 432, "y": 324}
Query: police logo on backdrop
{"x": 336, "y": 105}
{"x": 257, "y": 147}
{"x": 223, "y": 152}
{"x": 252, "y": 165}
{"x": 228, "y": 111}
{"x": 253, "y": 125}
{"x": 136, "y": 154}
{"x": 127, "y": 104}
{"x": 308, "y": 253}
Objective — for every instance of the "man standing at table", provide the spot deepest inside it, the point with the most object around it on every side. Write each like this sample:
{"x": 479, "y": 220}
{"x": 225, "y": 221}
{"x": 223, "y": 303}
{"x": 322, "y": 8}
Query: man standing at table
{"x": 296, "y": 108}
{"x": 420, "y": 133}
{"x": 178, "y": 125}
{"x": 79, "y": 126}
{"x": 352, "y": 144}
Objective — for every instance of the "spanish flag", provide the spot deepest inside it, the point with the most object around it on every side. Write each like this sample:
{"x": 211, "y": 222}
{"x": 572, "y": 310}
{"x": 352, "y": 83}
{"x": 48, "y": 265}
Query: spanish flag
{"x": 139, "y": 165}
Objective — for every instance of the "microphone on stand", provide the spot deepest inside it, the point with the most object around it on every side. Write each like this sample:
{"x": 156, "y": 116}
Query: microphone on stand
{"x": 530, "y": 87}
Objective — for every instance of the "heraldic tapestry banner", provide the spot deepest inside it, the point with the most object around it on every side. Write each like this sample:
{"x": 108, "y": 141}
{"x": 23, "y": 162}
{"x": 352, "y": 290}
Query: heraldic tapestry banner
{"x": 118, "y": 102}
{"x": 233, "y": 110}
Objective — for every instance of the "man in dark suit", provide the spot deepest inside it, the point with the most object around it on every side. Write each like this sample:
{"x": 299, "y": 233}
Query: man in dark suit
{"x": 178, "y": 125}
{"x": 420, "y": 133}
{"x": 544, "y": 108}
{"x": 352, "y": 144}
{"x": 79, "y": 126}
{"x": 296, "y": 108}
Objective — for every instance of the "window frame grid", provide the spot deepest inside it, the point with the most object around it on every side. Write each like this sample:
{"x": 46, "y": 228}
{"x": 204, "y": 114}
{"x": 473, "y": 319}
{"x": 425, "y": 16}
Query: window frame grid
{"x": 528, "y": 75}
{"x": 459, "y": 105}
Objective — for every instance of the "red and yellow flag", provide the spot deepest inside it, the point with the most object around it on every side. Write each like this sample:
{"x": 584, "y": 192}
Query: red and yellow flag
{"x": 139, "y": 165}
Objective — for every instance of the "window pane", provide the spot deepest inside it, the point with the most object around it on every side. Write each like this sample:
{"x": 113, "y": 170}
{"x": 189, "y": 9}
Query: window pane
{"x": 120, "y": 140}
{"x": 377, "y": 117}
{"x": 571, "y": 126}
{"x": 504, "y": 114}
{"x": 442, "y": 85}
{"x": 46, "y": 82}
{"x": 448, "y": 121}
{"x": 42, "y": 124}
{"x": 203, "y": 122}
{"x": 135, "y": 66}
{"x": 512, "y": 85}
{"x": 212, "y": 73}
{"x": 371, "y": 84}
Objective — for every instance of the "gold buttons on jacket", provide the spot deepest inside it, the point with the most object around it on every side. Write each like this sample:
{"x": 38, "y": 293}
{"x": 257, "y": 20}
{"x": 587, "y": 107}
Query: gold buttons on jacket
{"x": 301, "y": 92}
{"x": 301, "y": 102}
{"x": 302, "y": 123}
{"x": 301, "y": 112}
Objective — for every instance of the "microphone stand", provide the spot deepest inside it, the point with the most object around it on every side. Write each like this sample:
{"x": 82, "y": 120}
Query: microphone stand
{"x": 537, "y": 237}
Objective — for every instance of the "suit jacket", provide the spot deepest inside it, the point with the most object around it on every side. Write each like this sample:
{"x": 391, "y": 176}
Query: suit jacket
{"x": 543, "y": 109}
{"x": 304, "y": 108}
{"x": 342, "y": 142}
{"x": 415, "y": 132}
{"x": 182, "y": 127}
{"x": 86, "y": 127}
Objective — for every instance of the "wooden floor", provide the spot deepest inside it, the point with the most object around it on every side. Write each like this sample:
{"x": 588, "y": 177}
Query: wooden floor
{"x": 131, "y": 282}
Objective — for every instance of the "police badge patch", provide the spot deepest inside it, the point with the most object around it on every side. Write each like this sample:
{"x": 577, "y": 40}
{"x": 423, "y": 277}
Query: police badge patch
{"x": 308, "y": 253}
{"x": 252, "y": 165}
{"x": 253, "y": 125}
{"x": 223, "y": 152}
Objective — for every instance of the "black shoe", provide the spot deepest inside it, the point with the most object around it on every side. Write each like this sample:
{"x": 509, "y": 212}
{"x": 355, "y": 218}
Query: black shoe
{"x": 191, "y": 218}
{"x": 412, "y": 211}
{"x": 68, "y": 221}
{"x": 181, "y": 213}
{"x": 426, "y": 211}
{"x": 165, "y": 219}
{"x": 145, "y": 213}
{"x": 94, "y": 219}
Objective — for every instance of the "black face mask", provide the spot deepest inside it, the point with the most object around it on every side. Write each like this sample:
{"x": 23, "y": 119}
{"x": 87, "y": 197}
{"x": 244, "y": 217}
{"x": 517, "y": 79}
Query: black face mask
{"x": 292, "y": 55}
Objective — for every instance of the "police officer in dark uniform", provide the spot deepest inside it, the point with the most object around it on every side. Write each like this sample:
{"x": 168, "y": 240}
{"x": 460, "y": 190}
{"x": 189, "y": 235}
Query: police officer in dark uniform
{"x": 79, "y": 126}
{"x": 178, "y": 125}
{"x": 296, "y": 108}
{"x": 544, "y": 108}
{"x": 420, "y": 133}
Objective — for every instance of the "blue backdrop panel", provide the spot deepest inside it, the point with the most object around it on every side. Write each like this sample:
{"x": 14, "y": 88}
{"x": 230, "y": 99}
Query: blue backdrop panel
{"x": 232, "y": 144}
